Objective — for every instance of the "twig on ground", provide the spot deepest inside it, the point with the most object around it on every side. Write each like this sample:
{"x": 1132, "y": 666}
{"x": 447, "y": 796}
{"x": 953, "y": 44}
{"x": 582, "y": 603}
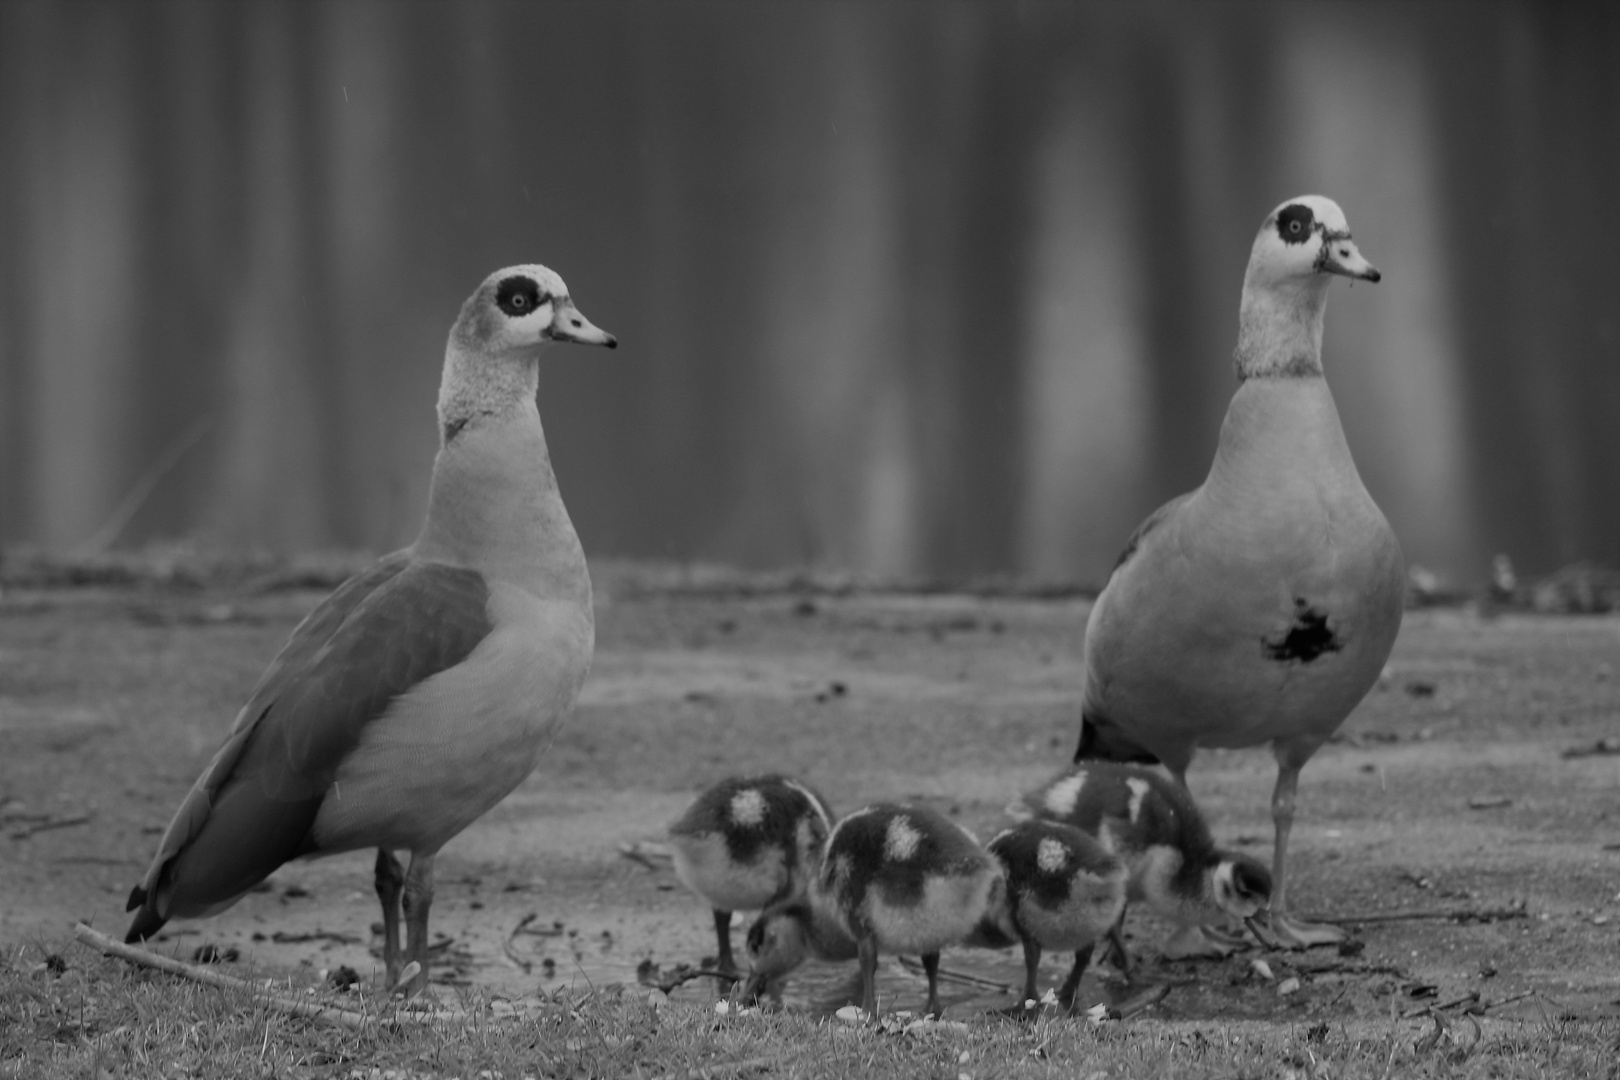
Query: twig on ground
{"x": 962, "y": 977}
{"x": 650, "y": 974}
{"x": 284, "y": 937}
{"x": 1470, "y": 998}
{"x": 1475, "y": 1006}
{"x": 1506, "y": 1001}
{"x": 1339, "y": 967}
{"x": 646, "y": 853}
{"x": 526, "y": 966}
{"x": 1517, "y": 911}
{"x": 31, "y": 828}
{"x": 330, "y": 1013}
{"x": 1140, "y": 1003}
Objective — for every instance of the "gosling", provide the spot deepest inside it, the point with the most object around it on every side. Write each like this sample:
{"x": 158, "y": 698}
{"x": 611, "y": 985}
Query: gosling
{"x": 894, "y": 878}
{"x": 1153, "y": 825}
{"x": 1064, "y": 892}
{"x": 747, "y": 843}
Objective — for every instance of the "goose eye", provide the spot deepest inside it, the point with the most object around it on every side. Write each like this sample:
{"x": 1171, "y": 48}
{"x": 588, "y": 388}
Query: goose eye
{"x": 1295, "y": 227}
{"x": 519, "y": 295}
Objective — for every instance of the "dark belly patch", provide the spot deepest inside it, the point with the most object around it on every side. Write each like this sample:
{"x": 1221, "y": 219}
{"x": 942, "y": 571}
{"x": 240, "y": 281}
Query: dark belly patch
{"x": 1308, "y": 638}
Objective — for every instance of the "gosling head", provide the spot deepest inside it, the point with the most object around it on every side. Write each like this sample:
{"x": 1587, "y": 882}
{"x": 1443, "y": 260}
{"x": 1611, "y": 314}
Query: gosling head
{"x": 1240, "y": 885}
{"x": 778, "y": 943}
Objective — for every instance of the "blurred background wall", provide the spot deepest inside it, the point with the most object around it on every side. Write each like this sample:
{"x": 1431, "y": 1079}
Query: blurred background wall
{"x": 919, "y": 289}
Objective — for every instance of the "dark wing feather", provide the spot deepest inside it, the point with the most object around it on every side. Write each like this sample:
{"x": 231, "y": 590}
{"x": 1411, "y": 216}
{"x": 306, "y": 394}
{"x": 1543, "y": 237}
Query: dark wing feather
{"x": 380, "y": 634}
{"x": 1149, "y": 523}
{"x": 1098, "y": 737}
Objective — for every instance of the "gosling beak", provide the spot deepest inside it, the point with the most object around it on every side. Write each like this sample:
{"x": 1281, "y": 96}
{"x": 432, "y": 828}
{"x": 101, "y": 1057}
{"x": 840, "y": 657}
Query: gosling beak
{"x": 1340, "y": 256}
{"x": 1257, "y": 924}
{"x": 754, "y": 987}
{"x": 567, "y": 324}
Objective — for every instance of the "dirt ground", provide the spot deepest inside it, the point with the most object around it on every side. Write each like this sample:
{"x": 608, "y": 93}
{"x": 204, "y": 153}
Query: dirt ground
{"x": 1466, "y": 823}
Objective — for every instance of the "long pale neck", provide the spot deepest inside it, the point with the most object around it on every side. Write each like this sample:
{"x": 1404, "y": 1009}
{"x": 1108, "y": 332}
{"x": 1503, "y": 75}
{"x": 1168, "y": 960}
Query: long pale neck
{"x": 477, "y": 388}
{"x": 1280, "y": 328}
{"x": 1280, "y": 432}
{"x": 494, "y": 504}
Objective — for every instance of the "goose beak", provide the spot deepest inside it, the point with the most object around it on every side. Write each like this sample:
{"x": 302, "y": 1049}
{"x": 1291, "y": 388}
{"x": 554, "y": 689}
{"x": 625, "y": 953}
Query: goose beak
{"x": 567, "y": 324}
{"x": 1340, "y": 256}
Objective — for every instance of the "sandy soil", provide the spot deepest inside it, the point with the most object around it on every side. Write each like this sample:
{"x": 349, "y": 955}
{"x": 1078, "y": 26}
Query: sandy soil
{"x": 1459, "y": 786}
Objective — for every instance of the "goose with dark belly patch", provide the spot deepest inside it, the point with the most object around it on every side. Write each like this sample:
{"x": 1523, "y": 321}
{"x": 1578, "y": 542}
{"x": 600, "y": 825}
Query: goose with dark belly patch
{"x": 1261, "y": 607}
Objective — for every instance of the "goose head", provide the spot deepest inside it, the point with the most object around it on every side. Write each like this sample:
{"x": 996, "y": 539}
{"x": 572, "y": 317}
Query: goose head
{"x": 521, "y": 308}
{"x": 1304, "y": 238}
{"x": 1301, "y": 247}
{"x": 489, "y": 366}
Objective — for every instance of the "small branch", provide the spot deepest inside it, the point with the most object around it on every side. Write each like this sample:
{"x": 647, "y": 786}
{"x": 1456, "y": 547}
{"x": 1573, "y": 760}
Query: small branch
{"x": 42, "y": 826}
{"x": 102, "y": 943}
{"x": 1140, "y": 1003}
{"x": 525, "y": 966}
{"x": 329, "y": 1013}
{"x": 961, "y": 977}
{"x": 284, "y": 937}
{"x": 1470, "y": 998}
{"x": 1454, "y": 915}
{"x": 1340, "y": 968}
{"x": 1505, "y": 1001}
{"x": 652, "y": 855}
{"x": 650, "y": 974}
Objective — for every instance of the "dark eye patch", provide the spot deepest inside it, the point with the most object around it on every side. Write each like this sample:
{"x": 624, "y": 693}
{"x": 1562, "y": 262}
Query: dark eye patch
{"x": 1295, "y": 223}
{"x": 519, "y": 295}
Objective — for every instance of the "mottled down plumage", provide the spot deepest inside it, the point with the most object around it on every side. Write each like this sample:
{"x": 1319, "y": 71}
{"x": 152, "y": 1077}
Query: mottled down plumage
{"x": 893, "y": 878}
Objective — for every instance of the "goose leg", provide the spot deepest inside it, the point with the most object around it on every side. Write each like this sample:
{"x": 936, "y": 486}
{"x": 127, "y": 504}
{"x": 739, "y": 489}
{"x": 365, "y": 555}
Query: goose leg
{"x": 1032, "y": 962}
{"x": 418, "y": 901}
{"x": 1071, "y": 986}
{"x": 722, "y": 935}
{"x": 1288, "y": 932}
{"x": 930, "y": 963}
{"x": 866, "y": 949}
{"x": 1116, "y": 946}
{"x": 389, "y": 878}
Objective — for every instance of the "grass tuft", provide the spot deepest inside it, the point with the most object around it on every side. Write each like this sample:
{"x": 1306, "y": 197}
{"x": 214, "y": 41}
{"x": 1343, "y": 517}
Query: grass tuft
{"x": 66, "y": 1011}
